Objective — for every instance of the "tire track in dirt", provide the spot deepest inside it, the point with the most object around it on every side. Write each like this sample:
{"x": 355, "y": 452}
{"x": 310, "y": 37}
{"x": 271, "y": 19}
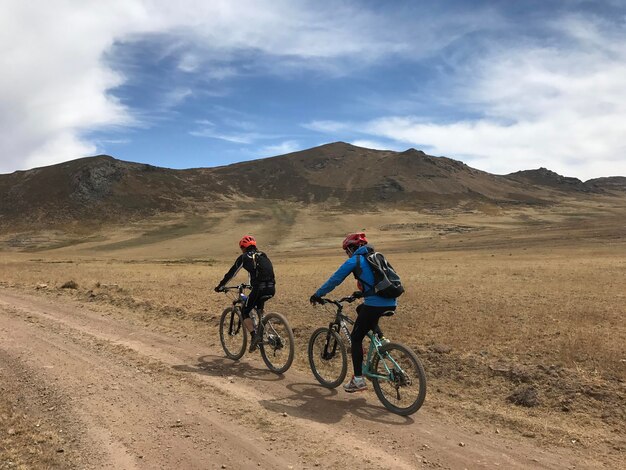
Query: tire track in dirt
{"x": 160, "y": 401}
{"x": 136, "y": 419}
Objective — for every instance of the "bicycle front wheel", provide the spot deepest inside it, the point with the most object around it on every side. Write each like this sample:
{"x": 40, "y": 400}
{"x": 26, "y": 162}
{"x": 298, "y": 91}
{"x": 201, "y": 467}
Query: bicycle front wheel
{"x": 277, "y": 347}
{"x": 232, "y": 333}
{"x": 327, "y": 357}
{"x": 399, "y": 379}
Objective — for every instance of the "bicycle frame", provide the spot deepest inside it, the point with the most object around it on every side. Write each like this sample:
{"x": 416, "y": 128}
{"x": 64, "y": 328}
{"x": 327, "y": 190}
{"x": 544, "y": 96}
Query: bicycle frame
{"x": 238, "y": 301}
{"x": 375, "y": 345}
{"x": 340, "y": 324}
{"x": 240, "y": 290}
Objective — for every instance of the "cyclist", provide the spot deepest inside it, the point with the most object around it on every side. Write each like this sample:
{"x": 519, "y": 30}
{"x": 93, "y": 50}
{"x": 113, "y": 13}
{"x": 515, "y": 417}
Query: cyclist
{"x": 261, "y": 274}
{"x": 368, "y": 313}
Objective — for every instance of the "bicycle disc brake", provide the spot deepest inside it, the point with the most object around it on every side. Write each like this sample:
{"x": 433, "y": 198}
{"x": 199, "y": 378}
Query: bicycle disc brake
{"x": 275, "y": 341}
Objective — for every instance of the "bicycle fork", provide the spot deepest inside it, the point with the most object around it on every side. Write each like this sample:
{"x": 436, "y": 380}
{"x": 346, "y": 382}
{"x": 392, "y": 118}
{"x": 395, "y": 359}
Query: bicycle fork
{"x": 330, "y": 347}
{"x": 233, "y": 328}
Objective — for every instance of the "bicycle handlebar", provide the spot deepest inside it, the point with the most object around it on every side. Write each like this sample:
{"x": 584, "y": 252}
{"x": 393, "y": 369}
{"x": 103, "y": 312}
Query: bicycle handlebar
{"x": 239, "y": 287}
{"x": 349, "y": 299}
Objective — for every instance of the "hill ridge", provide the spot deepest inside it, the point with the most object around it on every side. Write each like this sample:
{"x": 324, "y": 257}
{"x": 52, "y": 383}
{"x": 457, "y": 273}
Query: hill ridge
{"x": 103, "y": 187}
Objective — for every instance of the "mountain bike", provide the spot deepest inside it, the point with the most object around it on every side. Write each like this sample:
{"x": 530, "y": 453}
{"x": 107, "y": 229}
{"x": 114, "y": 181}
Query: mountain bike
{"x": 394, "y": 369}
{"x": 277, "y": 344}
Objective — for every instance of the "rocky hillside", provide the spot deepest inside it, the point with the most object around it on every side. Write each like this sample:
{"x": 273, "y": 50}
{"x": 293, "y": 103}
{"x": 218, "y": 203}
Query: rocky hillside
{"x": 104, "y": 188}
{"x": 610, "y": 183}
{"x": 352, "y": 174}
{"x": 546, "y": 178}
{"x": 99, "y": 188}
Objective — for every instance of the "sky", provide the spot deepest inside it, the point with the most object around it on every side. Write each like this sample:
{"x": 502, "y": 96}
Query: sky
{"x": 500, "y": 85}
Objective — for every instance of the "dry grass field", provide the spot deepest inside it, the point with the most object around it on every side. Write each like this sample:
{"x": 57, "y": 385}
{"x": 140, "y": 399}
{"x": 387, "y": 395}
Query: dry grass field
{"x": 518, "y": 315}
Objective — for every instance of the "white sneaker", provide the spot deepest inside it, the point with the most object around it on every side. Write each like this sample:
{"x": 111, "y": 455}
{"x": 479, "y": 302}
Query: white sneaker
{"x": 356, "y": 384}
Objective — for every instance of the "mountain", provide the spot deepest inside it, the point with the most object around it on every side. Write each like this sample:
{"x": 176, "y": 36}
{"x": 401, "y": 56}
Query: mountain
{"x": 102, "y": 188}
{"x": 547, "y": 178}
{"x": 350, "y": 174}
{"x": 94, "y": 187}
{"x": 610, "y": 183}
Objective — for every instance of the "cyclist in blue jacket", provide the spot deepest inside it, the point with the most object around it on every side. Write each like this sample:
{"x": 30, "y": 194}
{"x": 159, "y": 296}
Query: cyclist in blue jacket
{"x": 369, "y": 312}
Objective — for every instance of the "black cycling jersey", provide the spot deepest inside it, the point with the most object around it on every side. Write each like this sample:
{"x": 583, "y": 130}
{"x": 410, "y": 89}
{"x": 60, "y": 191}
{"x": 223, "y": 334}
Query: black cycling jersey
{"x": 245, "y": 261}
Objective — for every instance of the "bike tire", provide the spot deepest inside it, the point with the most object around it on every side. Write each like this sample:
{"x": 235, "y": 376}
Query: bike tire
{"x": 233, "y": 342}
{"x": 278, "y": 345}
{"x": 329, "y": 372}
{"x": 411, "y": 380}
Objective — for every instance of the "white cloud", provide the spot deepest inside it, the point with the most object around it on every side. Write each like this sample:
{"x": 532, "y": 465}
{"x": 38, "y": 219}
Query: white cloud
{"x": 176, "y": 96}
{"x": 114, "y": 141}
{"x": 328, "y": 127}
{"x": 189, "y": 63}
{"x": 377, "y": 145}
{"x": 230, "y": 130}
{"x": 54, "y": 149}
{"x": 562, "y": 106}
{"x": 54, "y": 86}
{"x": 238, "y": 138}
{"x": 287, "y": 146}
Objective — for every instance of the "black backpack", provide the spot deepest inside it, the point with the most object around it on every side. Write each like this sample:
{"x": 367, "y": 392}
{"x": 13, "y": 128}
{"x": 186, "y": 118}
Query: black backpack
{"x": 386, "y": 281}
{"x": 264, "y": 268}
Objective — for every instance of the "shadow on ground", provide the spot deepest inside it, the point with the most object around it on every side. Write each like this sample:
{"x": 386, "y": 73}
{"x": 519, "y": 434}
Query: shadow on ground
{"x": 302, "y": 400}
{"x": 316, "y": 403}
{"x": 216, "y": 366}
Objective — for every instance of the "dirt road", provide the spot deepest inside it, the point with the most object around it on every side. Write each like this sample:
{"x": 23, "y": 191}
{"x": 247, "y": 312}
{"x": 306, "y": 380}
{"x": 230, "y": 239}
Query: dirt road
{"x": 130, "y": 396}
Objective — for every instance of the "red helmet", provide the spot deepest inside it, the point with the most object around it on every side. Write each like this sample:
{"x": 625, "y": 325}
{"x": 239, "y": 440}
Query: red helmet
{"x": 354, "y": 240}
{"x": 246, "y": 241}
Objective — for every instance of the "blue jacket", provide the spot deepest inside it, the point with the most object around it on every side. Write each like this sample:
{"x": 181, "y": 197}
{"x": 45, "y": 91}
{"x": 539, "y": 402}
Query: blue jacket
{"x": 367, "y": 276}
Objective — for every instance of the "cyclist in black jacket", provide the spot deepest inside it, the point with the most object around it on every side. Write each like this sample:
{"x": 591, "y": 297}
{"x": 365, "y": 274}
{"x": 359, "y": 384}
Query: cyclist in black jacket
{"x": 262, "y": 280}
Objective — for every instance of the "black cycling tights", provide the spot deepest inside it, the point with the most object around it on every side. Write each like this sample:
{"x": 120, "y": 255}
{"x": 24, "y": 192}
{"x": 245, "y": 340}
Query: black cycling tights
{"x": 255, "y": 299}
{"x": 367, "y": 319}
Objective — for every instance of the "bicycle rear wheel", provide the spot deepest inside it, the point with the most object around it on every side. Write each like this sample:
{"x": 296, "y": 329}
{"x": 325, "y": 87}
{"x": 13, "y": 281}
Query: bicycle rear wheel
{"x": 233, "y": 335}
{"x": 277, "y": 347}
{"x": 404, "y": 388}
{"x": 327, "y": 357}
